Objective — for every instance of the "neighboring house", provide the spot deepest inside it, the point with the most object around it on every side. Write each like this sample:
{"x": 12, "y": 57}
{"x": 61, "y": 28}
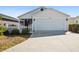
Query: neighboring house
{"x": 44, "y": 20}
{"x": 73, "y": 20}
{"x": 76, "y": 20}
{"x": 9, "y": 22}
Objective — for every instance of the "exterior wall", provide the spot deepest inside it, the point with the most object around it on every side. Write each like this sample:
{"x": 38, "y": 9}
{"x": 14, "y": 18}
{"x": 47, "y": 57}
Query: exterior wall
{"x": 30, "y": 28}
{"x": 49, "y": 13}
{"x": 76, "y": 20}
{"x": 49, "y": 20}
{"x": 8, "y": 23}
{"x": 71, "y": 21}
{"x": 28, "y": 15}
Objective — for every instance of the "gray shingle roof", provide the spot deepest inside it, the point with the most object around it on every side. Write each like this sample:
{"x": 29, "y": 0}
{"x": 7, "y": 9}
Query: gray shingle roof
{"x": 8, "y": 17}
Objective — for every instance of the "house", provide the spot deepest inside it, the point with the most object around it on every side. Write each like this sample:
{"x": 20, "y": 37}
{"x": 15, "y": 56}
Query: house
{"x": 73, "y": 20}
{"x": 9, "y": 22}
{"x": 42, "y": 20}
{"x": 76, "y": 20}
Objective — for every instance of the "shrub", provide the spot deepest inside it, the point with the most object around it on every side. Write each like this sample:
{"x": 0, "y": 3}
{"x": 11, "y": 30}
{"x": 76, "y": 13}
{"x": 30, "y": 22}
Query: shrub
{"x": 15, "y": 32}
{"x": 6, "y": 32}
{"x": 74, "y": 28}
{"x": 2, "y": 29}
{"x": 70, "y": 27}
{"x": 25, "y": 31}
{"x": 77, "y": 28}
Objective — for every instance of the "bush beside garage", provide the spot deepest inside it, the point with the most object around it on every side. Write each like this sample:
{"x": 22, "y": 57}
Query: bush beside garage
{"x": 74, "y": 28}
{"x": 16, "y": 31}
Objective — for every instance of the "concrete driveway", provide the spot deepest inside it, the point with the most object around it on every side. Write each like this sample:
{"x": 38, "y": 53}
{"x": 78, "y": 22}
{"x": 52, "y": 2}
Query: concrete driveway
{"x": 59, "y": 43}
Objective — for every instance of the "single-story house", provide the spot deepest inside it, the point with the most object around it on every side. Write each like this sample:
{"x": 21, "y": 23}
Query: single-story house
{"x": 43, "y": 19}
{"x": 9, "y": 22}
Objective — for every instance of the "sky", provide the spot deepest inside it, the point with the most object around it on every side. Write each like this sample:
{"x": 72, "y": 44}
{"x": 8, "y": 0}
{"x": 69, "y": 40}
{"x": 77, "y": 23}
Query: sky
{"x": 15, "y": 11}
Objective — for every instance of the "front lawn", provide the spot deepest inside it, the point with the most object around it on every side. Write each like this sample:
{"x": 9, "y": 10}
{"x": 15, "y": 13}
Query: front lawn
{"x": 11, "y": 40}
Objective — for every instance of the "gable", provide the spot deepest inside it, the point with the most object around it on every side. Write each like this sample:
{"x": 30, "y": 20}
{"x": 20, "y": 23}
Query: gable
{"x": 38, "y": 11}
{"x": 30, "y": 13}
{"x": 49, "y": 13}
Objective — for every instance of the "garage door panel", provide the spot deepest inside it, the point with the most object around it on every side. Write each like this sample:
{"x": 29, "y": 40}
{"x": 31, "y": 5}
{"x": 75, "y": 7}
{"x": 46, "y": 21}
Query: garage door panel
{"x": 48, "y": 24}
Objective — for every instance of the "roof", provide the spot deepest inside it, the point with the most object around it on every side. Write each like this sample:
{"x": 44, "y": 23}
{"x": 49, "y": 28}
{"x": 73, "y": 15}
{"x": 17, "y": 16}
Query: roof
{"x": 44, "y": 8}
{"x": 8, "y": 17}
{"x": 59, "y": 11}
{"x": 71, "y": 18}
{"x": 77, "y": 17}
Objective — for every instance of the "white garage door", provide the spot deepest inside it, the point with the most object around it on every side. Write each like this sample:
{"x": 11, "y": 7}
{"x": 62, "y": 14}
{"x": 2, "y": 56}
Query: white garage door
{"x": 47, "y": 24}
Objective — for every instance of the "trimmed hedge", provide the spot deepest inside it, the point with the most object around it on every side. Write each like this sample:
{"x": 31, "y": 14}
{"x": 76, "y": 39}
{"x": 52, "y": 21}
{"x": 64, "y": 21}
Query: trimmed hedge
{"x": 15, "y": 32}
{"x": 25, "y": 31}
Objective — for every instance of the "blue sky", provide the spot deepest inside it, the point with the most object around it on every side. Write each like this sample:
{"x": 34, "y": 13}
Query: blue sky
{"x": 15, "y": 11}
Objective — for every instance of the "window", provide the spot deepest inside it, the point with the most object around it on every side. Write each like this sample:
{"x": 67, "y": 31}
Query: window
{"x": 41, "y": 9}
{"x": 22, "y": 22}
{"x": 4, "y": 24}
{"x": 66, "y": 19}
{"x": 76, "y": 21}
{"x": 34, "y": 19}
